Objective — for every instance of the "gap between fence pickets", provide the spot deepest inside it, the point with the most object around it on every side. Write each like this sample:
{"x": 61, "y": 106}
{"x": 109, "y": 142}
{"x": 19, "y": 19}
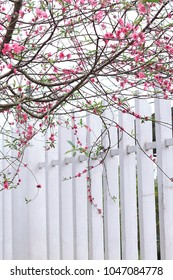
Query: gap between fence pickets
{"x": 113, "y": 152}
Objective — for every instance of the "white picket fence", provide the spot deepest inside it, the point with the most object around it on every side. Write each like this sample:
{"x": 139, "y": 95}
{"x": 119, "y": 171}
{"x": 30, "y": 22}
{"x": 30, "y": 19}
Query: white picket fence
{"x": 62, "y": 224}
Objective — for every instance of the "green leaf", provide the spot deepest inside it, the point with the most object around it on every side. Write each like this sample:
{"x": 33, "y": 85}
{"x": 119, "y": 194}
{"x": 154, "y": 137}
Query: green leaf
{"x": 27, "y": 200}
{"x": 152, "y": 1}
{"x": 74, "y": 154}
{"x": 81, "y": 122}
{"x": 71, "y": 143}
{"x": 73, "y": 151}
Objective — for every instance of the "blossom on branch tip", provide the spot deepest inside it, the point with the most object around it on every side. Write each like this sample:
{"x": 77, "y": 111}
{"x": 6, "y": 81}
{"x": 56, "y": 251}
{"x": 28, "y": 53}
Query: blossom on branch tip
{"x": 6, "y": 185}
{"x": 17, "y": 48}
{"x": 41, "y": 13}
{"x": 9, "y": 66}
{"x": 141, "y": 75}
{"x": 107, "y": 37}
{"x": 6, "y": 49}
{"x": 61, "y": 55}
{"x": 142, "y": 9}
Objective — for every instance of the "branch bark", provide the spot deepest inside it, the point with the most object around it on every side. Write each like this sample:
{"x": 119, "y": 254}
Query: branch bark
{"x": 12, "y": 23}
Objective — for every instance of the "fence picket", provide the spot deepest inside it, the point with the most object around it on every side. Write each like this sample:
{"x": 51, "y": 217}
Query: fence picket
{"x": 96, "y": 244}
{"x": 53, "y": 203}
{"x": 111, "y": 193}
{"x": 7, "y": 229}
{"x": 66, "y": 196}
{"x": 1, "y": 208}
{"x": 37, "y": 207}
{"x": 128, "y": 189}
{"x": 146, "y": 194}
{"x": 20, "y": 216}
{"x": 165, "y": 186}
{"x": 80, "y": 197}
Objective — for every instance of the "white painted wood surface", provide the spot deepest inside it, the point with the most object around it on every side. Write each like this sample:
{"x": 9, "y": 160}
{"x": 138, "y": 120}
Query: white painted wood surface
{"x": 111, "y": 192}
{"x": 7, "y": 223}
{"x": 146, "y": 192}
{"x": 96, "y": 244}
{"x": 66, "y": 197}
{"x": 80, "y": 198}
{"x": 62, "y": 224}
{"x": 165, "y": 162}
{"x": 128, "y": 188}
{"x": 20, "y": 216}
{"x": 53, "y": 200}
{"x": 37, "y": 215}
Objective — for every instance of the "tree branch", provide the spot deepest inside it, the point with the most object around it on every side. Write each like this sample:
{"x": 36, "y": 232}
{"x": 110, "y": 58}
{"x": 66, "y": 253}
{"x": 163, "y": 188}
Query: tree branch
{"x": 13, "y": 21}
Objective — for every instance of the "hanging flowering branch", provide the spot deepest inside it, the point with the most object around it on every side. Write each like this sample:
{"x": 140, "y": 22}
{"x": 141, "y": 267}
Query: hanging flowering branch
{"x": 80, "y": 54}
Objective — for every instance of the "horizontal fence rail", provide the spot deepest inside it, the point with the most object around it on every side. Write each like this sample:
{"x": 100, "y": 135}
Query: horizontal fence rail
{"x": 122, "y": 208}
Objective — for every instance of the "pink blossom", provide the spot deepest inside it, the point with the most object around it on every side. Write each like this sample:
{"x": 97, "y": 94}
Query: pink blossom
{"x": 103, "y": 25}
{"x": 61, "y": 55}
{"x": 92, "y": 80}
{"x": 41, "y": 13}
{"x": 99, "y": 16}
{"x": 68, "y": 56}
{"x": 93, "y": 2}
{"x": 6, "y": 49}
{"x": 142, "y": 9}
{"x": 63, "y": 10}
{"x": 17, "y": 48}
{"x": 129, "y": 26}
{"x": 121, "y": 22}
{"x": 137, "y": 57}
{"x": 55, "y": 69}
{"x": 8, "y": 17}
{"x": 142, "y": 36}
{"x": 6, "y": 185}
{"x": 9, "y": 66}
{"x": 68, "y": 1}
{"x": 24, "y": 118}
{"x": 135, "y": 36}
{"x": 141, "y": 75}
{"x": 138, "y": 116}
{"x": 108, "y": 36}
{"x": 139, "y": 38}
{"x": 120, "y": 33}
{"x": 52, "y": 138}
{"x": 171, "y": 51}
{"x": 21, "y": 13}
{"x": 29, "y": 132}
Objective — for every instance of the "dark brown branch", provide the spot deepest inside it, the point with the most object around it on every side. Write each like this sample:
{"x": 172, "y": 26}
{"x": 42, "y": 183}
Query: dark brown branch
{"x": 13, "y": 21}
